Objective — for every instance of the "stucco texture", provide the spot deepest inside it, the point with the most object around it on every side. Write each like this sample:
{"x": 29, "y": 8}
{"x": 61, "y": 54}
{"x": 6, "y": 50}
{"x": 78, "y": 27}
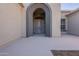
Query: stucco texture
{"x": 10, "y": 22}
{"x": 73, "y": 23}
{"x": 13, "y": 21}
{"x": 55, "y": 19}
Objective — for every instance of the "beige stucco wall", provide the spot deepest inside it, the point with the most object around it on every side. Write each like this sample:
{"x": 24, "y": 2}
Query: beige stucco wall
{"x": 10, "y": 22}
{"x": 73, "y": 23}
{"x": 56, "y": 19}
{"x": 13, "y": 21}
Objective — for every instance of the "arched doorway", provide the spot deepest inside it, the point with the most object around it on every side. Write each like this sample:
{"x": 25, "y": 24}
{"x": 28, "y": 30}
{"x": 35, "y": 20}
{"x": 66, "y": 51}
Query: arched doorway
{"x": 38, "y": 19}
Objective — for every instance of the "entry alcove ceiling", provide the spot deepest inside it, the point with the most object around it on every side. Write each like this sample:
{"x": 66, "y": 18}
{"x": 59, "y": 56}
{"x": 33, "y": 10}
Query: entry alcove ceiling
{"x": 25, "y": 5}
{"x": 39, "y": 14}
{"x": 21, "y": 4}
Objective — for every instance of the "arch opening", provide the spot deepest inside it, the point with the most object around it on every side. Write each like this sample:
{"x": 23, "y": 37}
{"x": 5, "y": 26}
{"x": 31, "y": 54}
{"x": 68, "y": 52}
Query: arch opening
{"x": 39, "y": 21}
{"x": 38, "y": 18}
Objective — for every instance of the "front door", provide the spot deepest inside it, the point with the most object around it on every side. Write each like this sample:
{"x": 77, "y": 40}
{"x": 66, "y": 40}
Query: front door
{"x": 37, "y": 26}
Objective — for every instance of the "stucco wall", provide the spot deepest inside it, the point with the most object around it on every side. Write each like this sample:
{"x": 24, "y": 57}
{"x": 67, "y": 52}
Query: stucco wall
{"x": 29, "y": 19}
{"x": 73, "y": 23}
{"x": 10, "y": 22}
{"x": 13, "y": 21}
{"x": 55, "y": 22}
{"x": 56, "y": 19}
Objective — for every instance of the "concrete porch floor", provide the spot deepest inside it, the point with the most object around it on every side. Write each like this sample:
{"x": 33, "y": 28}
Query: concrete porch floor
{"x": 40, "y": 45}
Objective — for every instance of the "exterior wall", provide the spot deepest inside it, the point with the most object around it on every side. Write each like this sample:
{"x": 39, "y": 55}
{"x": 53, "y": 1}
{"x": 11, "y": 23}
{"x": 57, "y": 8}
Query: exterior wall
{"x": 23, "y": 22}
{"x": 55, "y": 20}
{"x": 13, "y": 21}
{"x": 29, "y": 18}
{"x": 73, "y": 23}
{"x": 10, "y": 22}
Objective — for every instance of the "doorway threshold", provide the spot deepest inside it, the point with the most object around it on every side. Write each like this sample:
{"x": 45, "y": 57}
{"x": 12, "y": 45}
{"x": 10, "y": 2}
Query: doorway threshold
{"x": 39, "y": 35}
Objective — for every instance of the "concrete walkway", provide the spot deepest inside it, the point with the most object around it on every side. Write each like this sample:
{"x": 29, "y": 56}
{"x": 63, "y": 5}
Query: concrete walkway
{"x": 40, "y": 45}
